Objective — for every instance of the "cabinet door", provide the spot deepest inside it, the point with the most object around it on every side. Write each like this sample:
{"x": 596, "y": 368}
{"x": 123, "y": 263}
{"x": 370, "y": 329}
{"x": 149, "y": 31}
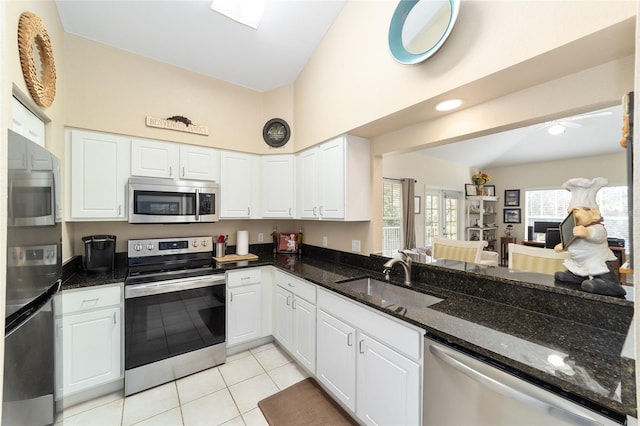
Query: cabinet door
{"x": 244, "y": 315}
{"x": 277, "y": 186}
{"x": 199, "y": 163}
{"x": 154, "y": 158}
{"x": 90, "y": 349}
{"x": 332, "y": 179}
{"x": 336, "y": 358}
{"x": 235, "y": 185}
{"x": 99, "y": 175}
{"x": 304, "y": 333}
{"x": 282, "y": 317}
{"x": 388, "y": 385}
{"x": 307, "y": 184}
{"x": 26, "y": 123}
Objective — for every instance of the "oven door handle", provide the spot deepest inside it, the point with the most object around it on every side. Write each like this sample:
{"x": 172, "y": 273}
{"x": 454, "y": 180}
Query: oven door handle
{"x": 148, "y": 289}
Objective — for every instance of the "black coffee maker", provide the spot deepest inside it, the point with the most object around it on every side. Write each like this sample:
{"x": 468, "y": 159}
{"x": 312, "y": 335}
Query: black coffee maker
{"x": 99, "y": 253}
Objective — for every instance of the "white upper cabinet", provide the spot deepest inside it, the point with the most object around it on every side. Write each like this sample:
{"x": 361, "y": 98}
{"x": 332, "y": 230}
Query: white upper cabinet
{"x": 239, "y": 185}
{"x": 99, "y": 171}
{"x": 333, "y": 180}
{"x": 26, "y": 123}
{"x": 278, "y": 183}
{"x": 152, "y": 158}
{"x": 199, "y": 163}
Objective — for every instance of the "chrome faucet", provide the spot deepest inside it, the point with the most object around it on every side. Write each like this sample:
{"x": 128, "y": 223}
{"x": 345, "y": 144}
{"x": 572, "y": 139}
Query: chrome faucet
{"x": 405, "y": 263}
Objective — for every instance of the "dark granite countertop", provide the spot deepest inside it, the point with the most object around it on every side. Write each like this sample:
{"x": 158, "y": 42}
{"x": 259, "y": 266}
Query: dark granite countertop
{"x": 522, "y": 327}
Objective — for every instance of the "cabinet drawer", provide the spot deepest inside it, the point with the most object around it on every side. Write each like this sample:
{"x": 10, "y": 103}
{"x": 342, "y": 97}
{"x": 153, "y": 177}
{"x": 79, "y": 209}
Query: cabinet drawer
{"x": 244, "y": 277}
{"x": 297, "y": 286}
{"x": 74, "y": 301}
{"x": 404, "y": 338}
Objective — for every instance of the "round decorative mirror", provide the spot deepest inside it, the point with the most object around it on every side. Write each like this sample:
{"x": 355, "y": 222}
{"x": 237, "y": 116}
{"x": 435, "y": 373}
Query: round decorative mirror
{"x": 36, "y": 59}
{"x": 420, "y": 27}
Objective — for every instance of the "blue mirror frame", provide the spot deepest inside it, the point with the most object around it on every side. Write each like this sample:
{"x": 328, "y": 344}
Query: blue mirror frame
{"x": 398, "y": 50}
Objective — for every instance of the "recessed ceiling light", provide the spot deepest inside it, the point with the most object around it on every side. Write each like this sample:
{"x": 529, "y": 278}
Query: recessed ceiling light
{"x": 556, "y": 129}
{"x": 246, "y": 12}
{"x": 448, "y": 105}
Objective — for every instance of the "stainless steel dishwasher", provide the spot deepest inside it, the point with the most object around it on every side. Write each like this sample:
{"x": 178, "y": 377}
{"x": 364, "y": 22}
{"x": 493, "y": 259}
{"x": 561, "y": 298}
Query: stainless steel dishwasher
{"x": 462, "y": 390}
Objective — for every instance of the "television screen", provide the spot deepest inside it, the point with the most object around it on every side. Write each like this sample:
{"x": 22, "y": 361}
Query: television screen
{"x": 541, "y": 227}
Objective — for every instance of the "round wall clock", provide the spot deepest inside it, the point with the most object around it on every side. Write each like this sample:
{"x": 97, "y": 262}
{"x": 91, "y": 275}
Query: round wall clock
{"x": 276, "y": 132}
{"x": 32, "y": 34}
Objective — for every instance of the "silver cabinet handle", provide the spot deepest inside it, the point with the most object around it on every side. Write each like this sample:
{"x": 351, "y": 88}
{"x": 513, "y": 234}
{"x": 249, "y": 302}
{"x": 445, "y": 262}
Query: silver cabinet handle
{"x": 289, "y": 211}
{"x": 288, "y": 300}
{"x": 119, "y": 209}
{"x": 314, "y": 211}
{"x": 248, "y": 211}
{"x": 361, "y": 346}
{"x": 293, "y": 303}
{"x": 321, "y": 210}
{"x": 170, "y": 171}
{"x": 197, "y": 204}
{"x": 230, "y": 296}
{"x": 114, "y": 318}
{"x": 350, "y": 339}
{"x": 291, "y": 285}
{"x": 540, "y": 400}
{"x": 183, "y": 171}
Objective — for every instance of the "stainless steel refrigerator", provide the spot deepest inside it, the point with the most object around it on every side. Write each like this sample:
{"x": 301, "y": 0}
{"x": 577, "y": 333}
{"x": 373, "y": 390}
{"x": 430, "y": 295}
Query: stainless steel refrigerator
{"x": 34, "y": 272}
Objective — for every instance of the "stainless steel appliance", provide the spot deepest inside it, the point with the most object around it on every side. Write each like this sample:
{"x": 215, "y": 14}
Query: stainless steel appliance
{"x": 463, "y": 389}
{"x": 34, "y": 271}
{"x": 155, "y": 200}
{"x": 174, "y": 311}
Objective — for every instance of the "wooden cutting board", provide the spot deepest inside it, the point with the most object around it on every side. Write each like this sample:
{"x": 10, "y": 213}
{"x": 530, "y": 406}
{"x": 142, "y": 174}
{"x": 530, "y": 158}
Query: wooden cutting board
{"x": 235, "y": 257}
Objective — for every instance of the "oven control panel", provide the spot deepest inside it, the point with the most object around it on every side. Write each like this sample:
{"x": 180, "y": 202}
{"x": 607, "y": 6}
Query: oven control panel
{"x": 164, "y": 246}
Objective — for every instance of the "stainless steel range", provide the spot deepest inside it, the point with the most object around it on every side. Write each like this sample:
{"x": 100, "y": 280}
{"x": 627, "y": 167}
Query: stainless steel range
{"x": 174, "y": 311}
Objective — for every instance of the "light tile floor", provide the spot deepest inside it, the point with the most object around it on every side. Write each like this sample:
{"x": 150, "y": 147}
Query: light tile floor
{"x": 224, "y": 395}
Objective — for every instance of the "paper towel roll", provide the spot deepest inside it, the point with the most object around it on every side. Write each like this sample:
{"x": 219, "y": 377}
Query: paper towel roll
{"x": 242, "y": 242}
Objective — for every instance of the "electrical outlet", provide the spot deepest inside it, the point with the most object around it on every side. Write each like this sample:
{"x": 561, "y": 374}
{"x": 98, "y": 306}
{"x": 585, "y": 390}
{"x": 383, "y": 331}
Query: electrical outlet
{"x": 355, "y": 246}
{"x": 324, "y": 242}
{"x": 260, "y": 237}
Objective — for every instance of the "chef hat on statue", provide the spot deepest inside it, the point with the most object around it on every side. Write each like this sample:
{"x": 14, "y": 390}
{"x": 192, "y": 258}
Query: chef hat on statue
{"x": 583, "y": 191}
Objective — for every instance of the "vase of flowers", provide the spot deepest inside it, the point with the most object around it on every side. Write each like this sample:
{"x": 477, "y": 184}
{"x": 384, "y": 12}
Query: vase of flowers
{"x": 479, "y": 179}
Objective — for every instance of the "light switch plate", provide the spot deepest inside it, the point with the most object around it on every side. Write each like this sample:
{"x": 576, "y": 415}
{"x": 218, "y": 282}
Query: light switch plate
{"x": 355, "y": 246}
{"x": 324, "y": 242}
{"x": 260, "y": 237}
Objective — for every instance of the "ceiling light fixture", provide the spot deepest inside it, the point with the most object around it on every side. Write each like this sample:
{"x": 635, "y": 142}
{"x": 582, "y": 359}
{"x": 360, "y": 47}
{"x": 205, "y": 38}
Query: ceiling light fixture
{"x": 448, "y": 105}
{"x": 556, "y": 129}
{"x": 246, "y": 12}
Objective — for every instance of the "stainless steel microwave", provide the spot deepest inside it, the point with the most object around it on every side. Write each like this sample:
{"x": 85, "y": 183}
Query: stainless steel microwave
{"x": 156, "y": 200}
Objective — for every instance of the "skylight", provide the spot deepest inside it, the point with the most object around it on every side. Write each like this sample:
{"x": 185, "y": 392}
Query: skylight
{"x": 246, "y": 12}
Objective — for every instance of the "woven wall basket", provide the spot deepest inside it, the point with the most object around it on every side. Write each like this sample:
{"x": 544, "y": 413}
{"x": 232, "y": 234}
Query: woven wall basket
{"x": 32, "y": 34}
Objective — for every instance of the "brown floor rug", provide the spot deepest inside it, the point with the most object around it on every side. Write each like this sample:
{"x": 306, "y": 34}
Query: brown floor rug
{"x": 304, "y": 403}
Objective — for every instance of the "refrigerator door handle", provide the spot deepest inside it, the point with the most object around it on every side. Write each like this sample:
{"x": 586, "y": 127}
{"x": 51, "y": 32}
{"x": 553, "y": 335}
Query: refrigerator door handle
{"x": 510, "y": 390}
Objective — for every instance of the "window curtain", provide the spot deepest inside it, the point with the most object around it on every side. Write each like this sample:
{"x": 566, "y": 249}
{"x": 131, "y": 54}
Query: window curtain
{"x": 408, "y": 215}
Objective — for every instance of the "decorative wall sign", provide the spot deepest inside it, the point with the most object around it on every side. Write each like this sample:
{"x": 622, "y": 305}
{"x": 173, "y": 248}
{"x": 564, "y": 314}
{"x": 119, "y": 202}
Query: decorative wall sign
{"x": 276, "y": 132}
{"x": 177, "y": 122}
{"x": 32, "y": 33}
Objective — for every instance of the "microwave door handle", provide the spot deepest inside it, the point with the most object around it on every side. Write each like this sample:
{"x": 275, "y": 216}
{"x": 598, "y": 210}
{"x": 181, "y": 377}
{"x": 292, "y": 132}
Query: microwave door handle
{"x": 10, "y": 219}
{"x": 197, "y": 204}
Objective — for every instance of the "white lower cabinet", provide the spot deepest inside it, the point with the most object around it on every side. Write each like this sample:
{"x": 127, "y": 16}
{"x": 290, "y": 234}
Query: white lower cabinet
{"x": 336, "y": 360}
{"x": 370, "y": 362}
{"x": 294, "y": 325}
{"x": 88, "y": 339}
{"x": 244, "y": 305}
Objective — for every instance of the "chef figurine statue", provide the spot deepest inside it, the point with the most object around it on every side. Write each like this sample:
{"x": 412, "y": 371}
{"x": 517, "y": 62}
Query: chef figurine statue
{"x": 589, "y": 264}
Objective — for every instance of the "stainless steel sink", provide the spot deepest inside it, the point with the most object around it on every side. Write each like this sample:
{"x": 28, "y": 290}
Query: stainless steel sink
{"x": 389, "y": 296}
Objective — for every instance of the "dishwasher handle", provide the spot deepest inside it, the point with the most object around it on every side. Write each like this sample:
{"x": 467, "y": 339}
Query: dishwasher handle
{"x": 540, "y": 401}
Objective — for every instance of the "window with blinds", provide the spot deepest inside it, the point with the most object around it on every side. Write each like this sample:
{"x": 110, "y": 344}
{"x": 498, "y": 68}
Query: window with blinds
{"x": 550, "y": 205}
{"x": 391, "y": 216}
